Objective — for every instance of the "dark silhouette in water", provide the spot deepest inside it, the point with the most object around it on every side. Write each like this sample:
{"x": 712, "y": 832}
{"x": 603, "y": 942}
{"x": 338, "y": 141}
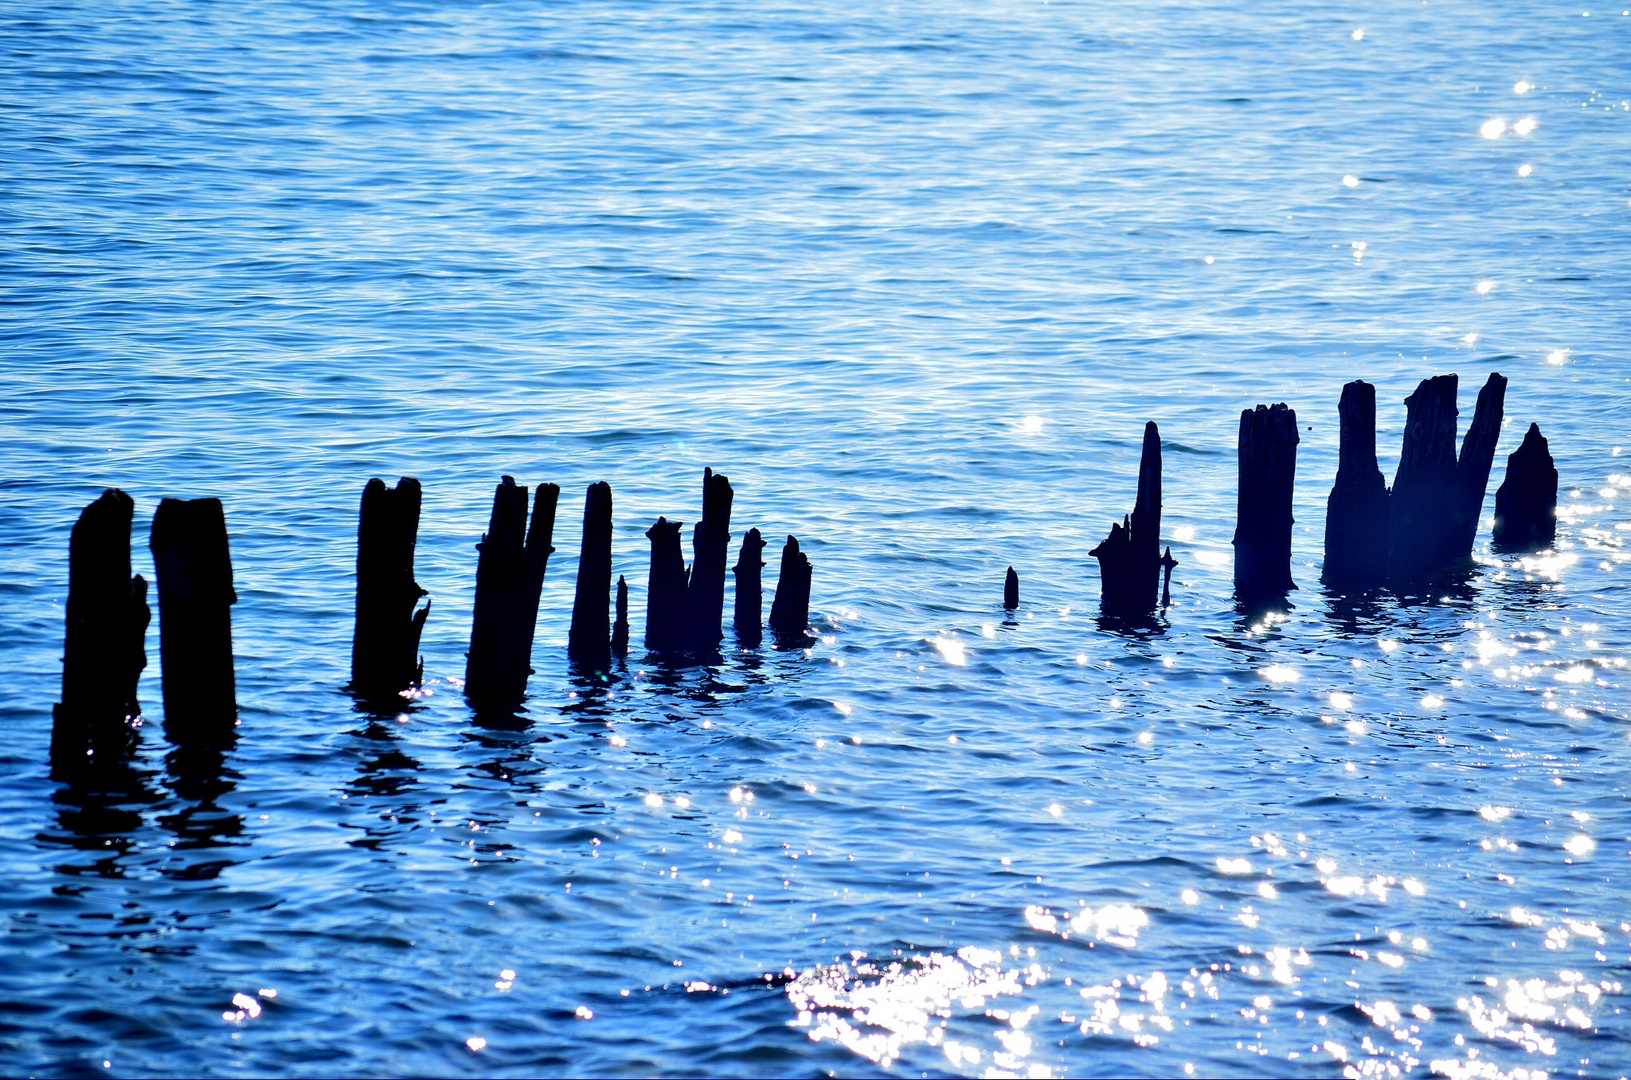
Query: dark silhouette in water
{"x": 509, "y": 576}
{"x": 589, "y": 642}
{"x": 710, "y": 546}
{"x": 1267, "y": 453}
{"x": 750, "y": 589}
{"x": 1130, "y": 558}
{"x": 620, "y": 628}
{"x": 790, "y": 610}
{"x": 104, "y": 650}
{"x": 665, "y": 589}
{"x": 194, "y": 570}
{"x": 1010, "y": 590}
{"x": 1356, "y": 514}
{"x": 1526, "y": 503}
{"x": 385, "y": 644}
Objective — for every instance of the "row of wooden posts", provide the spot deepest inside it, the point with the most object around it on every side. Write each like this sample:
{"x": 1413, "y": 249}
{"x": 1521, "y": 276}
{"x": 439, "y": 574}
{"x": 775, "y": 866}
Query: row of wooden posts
{"x": 1419, "y": 530}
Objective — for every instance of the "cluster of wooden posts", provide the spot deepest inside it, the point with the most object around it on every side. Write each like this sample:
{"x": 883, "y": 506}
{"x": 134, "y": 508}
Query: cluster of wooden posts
{"x": 1417, "y": 532}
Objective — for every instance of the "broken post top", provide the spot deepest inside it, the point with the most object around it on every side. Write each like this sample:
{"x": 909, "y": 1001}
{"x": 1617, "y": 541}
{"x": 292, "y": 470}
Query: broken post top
{"x": 1357, "y": 439}
{"x": 1010, "y": 590}
{"x": 1526, "y": 503}
{"x": 1146, "y": 525}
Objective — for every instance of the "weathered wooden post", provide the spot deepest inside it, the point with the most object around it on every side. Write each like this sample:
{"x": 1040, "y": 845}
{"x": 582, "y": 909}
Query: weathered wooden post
{"x": 1526, "y": 503}
{"x": 1130, "y": 559}
{"x": 749, "y": 589}
{"x": 103, "y": 650}
{"x": 1356, "y": 514}
{"x": 385, "y": 643}
{"x": 1267, "y": 453}
{"x": 620, "y": 628}
{"x": 665, "y": 589}
{"x": 1436, "y": 498}
{"x": 710, "y": 548}
{"x": 590, "y": 639}
{"x": 194, "y": 570}
{"x": 509, "y": 577}
{"x": 790, "y": 609}
{"x": 1010, "y": 590}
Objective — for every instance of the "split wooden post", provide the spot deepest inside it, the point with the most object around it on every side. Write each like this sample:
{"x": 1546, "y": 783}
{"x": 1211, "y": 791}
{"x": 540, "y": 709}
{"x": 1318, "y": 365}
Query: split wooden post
{"x": 1130, "y": 559}
{"x": 790, "y": 610}
{"x": 1356, "y": 513}
{"x": 710, "y": 550}
{"x": 194, "y": 568}
{"x": 1010, "y": 590}
{"x": 1526, "y": 503}
{"x": 104, "y": 650}
{"x": 665, "y": 589}
{"x": 749, "y": 572}
{"x": 620, "y": 628}
{"x": 1267, "y": 452}
{"x": 509, "y": 577}
{"x": 590, "y": 639}
{"x": 385, "y": 643}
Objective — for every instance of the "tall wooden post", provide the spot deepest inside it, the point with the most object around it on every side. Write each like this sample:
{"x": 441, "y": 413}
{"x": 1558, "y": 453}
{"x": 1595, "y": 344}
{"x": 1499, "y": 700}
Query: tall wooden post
{"x": 665, "y": 589}
{"x": 1526, "y": 504}
{"x": 1357, "y": 512}
{"x": 1130, "y": 560}
{"x": 194, "y": 565}
{"x": 790, "y": 610}
{"x": 749, "y": 571}
{"x": 1010, "y": 590}
{"x": 509, "y": 578}
{"x": 710, "y": 544}
{"x": 1267, "y": 452}
{"x": 590, "y": 640}
{"x": 385, "y": 643}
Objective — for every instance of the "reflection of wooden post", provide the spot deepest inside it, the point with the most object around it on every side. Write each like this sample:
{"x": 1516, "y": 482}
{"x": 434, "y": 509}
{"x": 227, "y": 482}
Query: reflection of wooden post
{"x": 1010, "y": 590}
{"x": 749, "y": 589}
{"x": 1356, "y": 514}
{"x": 104, "y": 651}
{"x": 705, "y": 594}
{"x": 665, "y": 589}
{"x": 620, "y": 628}
{"x": 590, "y": 639}
{"x": 509, "y": 578}
{"x": 194, "y": 565}
{"x": 385, "y": 644}
{"x": 790, "y": 610}
{"x": 1267, "y": 452}
{"x": 1526, "y": 504}
{"x": 1130, "y": 557}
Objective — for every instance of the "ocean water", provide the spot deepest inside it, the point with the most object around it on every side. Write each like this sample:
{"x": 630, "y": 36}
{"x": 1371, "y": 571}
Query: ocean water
{"x": 913, "y": 275}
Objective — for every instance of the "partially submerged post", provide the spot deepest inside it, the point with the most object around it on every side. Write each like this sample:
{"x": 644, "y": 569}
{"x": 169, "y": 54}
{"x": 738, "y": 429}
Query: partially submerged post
{"x": 665, "y": 589}
{"x": 620, "y": 628}
{"x": 1356, "y": 514}
{"x": 710, "y": 543}
{"x": 750, "y": 589}
{"x": 103, "y": 651}
{"x": 790, "y": 610}
{"x": 590, "y": 639}
{"x": 1130, "y": 559}
{"x": 1267, "y": 453}
{"x": 1526, "y": 504}
{"x": 1010, "y": 590}
{"x": 385, "y": 643}
{"x": 194, "y": 569}
{"x": 509, "y": 578}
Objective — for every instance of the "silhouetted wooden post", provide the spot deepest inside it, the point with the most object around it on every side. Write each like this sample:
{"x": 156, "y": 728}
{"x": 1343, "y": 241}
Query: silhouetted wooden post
{"x": 665, "y": 589}
{"x": 790, "y": 610}
{"x": 1267, "y": 453}
{"x": 1526, "y": 504}
{"x": 1436, "y": 499}
{"x": 710, "y": 547}
{"x": 590, "y": 640}
{"x": 194, "y": 570}
{"x": 620, "y": 628}
{"x": 1010, "y": 590}
{"x": 509, "y": 577}
{"x": 1130, "y": 557}
{"x": 385, "y": 644}
{"x": 749, "y": 589}
{"x": 1356, "y": 514}
{"x": 104, "y": 650}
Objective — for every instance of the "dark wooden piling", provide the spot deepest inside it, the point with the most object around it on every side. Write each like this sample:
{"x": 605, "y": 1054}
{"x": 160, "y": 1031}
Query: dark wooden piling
{"x": 749, "y": 571}
{"x": 104, "y": 649}
{"x": 1130, "y": 557}
{"x": 194, "y": 569}
{"x": 710, "y": 548}
{"x": 1010, "y": 590}
{"x": 620, "y": 628}
{"x": 590, "y": 640}
{"x": 1526, "y": 503}
{"x": 790, "y": 609}
{"x": 1356, "y": 514}
{"x": 385, "y": 643}
{"x": 665, "y": 589}
{"x": 1436, "y": 497}
{"x": 509, "y": 577}
{"x": 1267, "y": 453}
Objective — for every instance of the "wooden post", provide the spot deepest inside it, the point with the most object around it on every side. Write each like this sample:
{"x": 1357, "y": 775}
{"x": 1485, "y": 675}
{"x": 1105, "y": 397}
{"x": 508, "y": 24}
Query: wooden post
{"x": 1130, "y": 557}
{"x": 620, "y": 628}
{"x": 665, "y": 589}
{"x": 104, "y": 650}
{"x": 749, "y": 589}
{"x": 1010, "y": 590}
{"x": 590, "y": 639}
{"x": 1356, "y": 514}
{"x": 509, "y": 577}
{"x": 1526, "y": 504}
{"x": 1267, "y": 453}
{"x": 790, "y": 610}
{"x": 385, "y": 644}
{"x": 710, "y": 548}
{"x": 194, "y": 565}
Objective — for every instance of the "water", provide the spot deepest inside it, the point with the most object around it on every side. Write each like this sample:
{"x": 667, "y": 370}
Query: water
{"x": 913, "y": 275}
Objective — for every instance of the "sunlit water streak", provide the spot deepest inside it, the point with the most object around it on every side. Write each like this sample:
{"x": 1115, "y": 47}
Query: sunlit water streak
{"x": 912, "y": 276}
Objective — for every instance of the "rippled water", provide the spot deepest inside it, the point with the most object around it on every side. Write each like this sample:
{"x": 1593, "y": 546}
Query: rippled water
{"x": 913, "y": 275}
